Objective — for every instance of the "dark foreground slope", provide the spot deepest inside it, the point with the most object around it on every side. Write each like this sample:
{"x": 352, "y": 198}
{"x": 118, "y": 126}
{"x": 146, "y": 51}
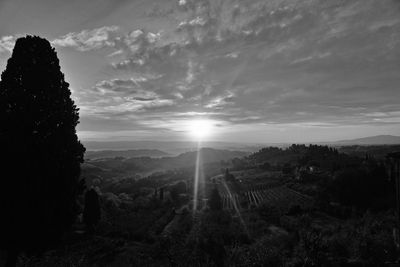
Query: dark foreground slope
{"x": 300, "y": 206}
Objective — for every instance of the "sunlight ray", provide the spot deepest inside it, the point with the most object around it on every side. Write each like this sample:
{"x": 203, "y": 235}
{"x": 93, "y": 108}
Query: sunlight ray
{"x": 196, "y": 178}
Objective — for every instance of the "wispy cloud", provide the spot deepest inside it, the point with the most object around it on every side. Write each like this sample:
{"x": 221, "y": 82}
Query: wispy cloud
{"x": 87, "y": 40}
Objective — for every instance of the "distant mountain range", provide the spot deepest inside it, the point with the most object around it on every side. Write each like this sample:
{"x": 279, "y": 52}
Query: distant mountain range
{"x": 371, "y": 140}
{"x": 172, "y": 148}
{"x": 127, "y": 149}
{"x": 153, "y": 153}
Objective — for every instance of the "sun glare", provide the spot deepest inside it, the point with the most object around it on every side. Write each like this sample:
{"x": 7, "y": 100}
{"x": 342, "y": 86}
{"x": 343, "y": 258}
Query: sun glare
{"x": 200, "y": 129}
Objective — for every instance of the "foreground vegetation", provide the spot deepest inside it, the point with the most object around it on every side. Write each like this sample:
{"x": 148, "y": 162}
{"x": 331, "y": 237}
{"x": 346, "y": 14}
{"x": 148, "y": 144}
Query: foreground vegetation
{"x": 300, "y": 206}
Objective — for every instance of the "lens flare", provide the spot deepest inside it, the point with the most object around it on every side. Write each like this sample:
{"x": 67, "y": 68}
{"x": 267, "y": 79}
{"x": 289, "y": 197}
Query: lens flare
{"x": 196, "y": 178}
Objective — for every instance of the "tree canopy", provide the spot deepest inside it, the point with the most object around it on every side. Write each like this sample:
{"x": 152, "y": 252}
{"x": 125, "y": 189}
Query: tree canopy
{"x": 40, "y": 151}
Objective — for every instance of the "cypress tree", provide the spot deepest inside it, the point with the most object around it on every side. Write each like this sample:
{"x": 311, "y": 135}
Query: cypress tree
{"x": 40, "y": 151}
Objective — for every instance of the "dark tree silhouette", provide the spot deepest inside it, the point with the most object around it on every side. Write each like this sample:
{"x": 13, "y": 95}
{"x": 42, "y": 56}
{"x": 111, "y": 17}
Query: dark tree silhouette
{"x": 161, "y": 193}
{"x": 215, "y": 202}
{"x": 40, "y": 152}
{"x": 228, "y": 176}
{"x": 91, "y": 212}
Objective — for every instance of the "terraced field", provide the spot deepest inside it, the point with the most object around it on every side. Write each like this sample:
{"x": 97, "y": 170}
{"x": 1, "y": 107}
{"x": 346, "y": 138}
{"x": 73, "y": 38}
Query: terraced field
{"x": 277, "y": 195}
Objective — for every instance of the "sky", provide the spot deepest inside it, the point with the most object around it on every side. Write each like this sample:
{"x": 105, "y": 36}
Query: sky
{"x": 256, "y": 70}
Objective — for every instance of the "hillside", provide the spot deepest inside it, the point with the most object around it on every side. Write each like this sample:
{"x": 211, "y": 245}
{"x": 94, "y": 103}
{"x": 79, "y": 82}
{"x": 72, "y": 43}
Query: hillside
{"x": 145, "y": 165}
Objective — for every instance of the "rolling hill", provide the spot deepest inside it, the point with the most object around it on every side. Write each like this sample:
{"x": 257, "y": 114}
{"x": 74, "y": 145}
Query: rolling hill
{"x": 371, "y": 140}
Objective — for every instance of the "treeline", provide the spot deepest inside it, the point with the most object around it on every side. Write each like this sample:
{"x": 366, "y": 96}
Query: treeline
{"x": 376, "y": 151}
{"x": 277, "y": 158}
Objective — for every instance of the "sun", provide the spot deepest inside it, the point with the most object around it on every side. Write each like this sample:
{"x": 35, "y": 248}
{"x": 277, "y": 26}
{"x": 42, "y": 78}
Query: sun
{"x": 200, "y": 129}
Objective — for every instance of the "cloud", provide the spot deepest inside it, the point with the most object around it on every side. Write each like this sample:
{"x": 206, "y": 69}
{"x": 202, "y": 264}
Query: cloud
{"x": 273, "y": 61}
{"x": 122, "y": 97}
{"x": 310, "y": 63}
{"x": 87, "y": 40}
{"x": 131, "y": 88}
{"x": 7, "y": 44}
